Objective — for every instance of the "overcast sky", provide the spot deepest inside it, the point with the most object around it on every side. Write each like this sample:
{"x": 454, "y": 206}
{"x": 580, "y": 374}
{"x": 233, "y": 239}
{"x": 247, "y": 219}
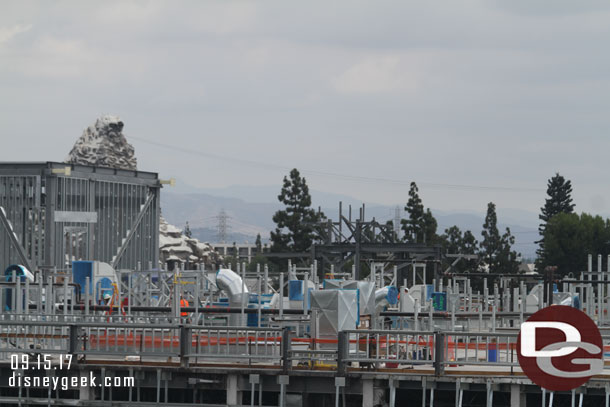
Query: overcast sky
{"x": 473, "y": 93}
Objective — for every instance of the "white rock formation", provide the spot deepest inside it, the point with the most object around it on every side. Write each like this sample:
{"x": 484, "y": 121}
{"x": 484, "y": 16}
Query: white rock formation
{"x": 103, "y": 144}
{"x": 177, "y": 247}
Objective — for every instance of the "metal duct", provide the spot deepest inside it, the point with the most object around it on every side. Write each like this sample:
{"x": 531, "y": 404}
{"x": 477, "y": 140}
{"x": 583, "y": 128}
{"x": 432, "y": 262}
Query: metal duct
{"x": 385, "y": 296}
{"x": 231, "y": 283}
{"x": 20, "y": 271}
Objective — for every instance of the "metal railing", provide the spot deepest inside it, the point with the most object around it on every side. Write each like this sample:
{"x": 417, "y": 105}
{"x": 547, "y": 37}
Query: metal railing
{"x": 479, "y": 348}
{"x": 34, "y": 337}
{"x": 391, "y": 349}
{"x": 234, "y": 343}
{"x": 388, "y": 346}
{"x": 127, "y": 339}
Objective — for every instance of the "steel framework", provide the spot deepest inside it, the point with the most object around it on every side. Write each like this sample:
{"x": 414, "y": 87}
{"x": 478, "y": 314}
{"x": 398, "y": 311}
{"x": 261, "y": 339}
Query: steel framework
{"x": 360, "y": 240}
{"x": 64, "y": 212}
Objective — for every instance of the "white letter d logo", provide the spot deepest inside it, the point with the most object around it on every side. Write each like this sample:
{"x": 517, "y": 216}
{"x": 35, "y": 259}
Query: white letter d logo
{"x": 528, "y": 338}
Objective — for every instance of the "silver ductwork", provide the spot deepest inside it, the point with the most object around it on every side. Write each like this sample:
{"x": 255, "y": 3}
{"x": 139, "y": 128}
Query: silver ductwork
{"x": 235, "y": 288}
{"x": 231, "y": 283}
{"x": 385, "y": 296}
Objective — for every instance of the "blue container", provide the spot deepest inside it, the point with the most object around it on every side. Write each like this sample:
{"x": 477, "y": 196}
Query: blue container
{"x": 439, "y": 301}
{"x": 80, "y": 271}
{"x": 492, "y": 353}
{"x": 295, "y": 290}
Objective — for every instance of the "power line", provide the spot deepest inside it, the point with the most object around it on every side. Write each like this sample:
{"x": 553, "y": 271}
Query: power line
{"x": 348, "y": 177}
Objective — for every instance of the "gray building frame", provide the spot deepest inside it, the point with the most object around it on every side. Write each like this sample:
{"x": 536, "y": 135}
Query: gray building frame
{"x": 54, "y": 213}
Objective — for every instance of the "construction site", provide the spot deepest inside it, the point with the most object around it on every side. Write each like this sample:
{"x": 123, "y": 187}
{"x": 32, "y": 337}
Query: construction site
{"x": 84, "y": 291}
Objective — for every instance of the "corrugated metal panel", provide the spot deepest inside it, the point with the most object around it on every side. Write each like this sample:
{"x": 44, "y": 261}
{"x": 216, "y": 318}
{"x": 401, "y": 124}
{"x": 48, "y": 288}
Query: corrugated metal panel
{"x": 37, "y": 205}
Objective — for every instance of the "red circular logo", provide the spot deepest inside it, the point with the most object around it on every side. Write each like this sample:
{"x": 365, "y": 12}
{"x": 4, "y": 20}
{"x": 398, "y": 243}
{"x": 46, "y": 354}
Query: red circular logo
{"x": 560, "y": 348}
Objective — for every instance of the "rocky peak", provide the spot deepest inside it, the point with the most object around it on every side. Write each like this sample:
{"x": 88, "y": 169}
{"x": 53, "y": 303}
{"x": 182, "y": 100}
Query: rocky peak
{"x": 103, "y": 144}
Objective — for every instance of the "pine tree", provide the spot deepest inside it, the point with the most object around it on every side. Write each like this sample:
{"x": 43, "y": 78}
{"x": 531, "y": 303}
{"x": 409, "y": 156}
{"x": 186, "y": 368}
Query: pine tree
{"x": 559, "y": 200}
{"x": 295, "y": 231}
{"x": 259, "y": 244}
{"x": 456, "y": 242}
{"x": 421, "y": 226}
{"x": 495, "y": 249}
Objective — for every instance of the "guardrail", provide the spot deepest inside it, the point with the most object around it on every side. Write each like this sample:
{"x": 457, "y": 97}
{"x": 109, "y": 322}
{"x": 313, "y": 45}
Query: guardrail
{"x": 479, "y": 348}
{"x": 234, "y": 343}
{"x": 388, "y": 346}
{"x": 391, "y": 349}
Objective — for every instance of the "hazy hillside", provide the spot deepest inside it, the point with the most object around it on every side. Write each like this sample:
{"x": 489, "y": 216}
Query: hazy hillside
{"x": 249, "y": 214}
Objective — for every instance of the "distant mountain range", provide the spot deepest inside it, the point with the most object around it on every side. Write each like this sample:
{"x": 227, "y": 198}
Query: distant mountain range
{"x": 250, "y": 210}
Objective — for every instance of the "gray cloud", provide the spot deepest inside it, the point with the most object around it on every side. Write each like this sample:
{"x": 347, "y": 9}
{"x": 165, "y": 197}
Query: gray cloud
{"x": 476, "y": 93}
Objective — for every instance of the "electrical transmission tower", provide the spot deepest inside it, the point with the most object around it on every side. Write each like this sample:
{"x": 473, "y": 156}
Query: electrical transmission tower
{"x": 397, "y": 220}
{"x": 222, "y": 226}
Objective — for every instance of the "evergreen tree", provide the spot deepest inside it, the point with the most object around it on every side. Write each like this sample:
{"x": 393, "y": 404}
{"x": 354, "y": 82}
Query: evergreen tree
{"x": 389, "y": 225}
{"x": 296, "y": 224}
{"x": 469, "y": 243}
{"x": 495, "y": 249}
{"x": 456, "y": 242}
{"x": 421, "y": 226}
{"x": 187, "y": 231}
{"x": 570, "y": 238}
{"x": 559, "y": 191}
{"x": 259, "y": 244}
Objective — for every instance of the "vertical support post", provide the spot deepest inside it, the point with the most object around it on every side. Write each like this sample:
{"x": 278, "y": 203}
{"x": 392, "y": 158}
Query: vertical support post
{"x": 430, "y": 315}
{"x": 259, "y": 295}
{"x": 26, "y": 302}
{"x": 423, "y": 392}
{"x": 517, "y": 398}
{"x": 281, "y": 291}
{"x": 342, "y": 351}
{"x": 367, "y": 393}
{"x": 600, "y": 292}
{"x": 392, "y": 393}
{"x": 87, "y": 295}
{"x": 490, "y": 395}
{"x": 573, "y": 399}
{"x": 283, "y": 381}
{"x": 185, "y": 345}
{"x": 232, "y": 390}
{"x": 285, "y": 350}
{"x": 197, "y": 290}
{"x": 17, "y": 297}
{"x": 416, "y": 314}
{"x": 243, "y": 297}
{"x": 72, "y": 339}
{"x": 65, "y": 295}
{"x": 439, "y": 365}
{"x": 14, "y": 293}
{"x": 339, "y": 383}
{"x": 266, "y": 281}
{"x": 254, "y": 380}
{"x": 589, "y": 287}
{"x": 543, "y": 397}
{"x": 40, "y": 289}
{"x": 49, "y": 297}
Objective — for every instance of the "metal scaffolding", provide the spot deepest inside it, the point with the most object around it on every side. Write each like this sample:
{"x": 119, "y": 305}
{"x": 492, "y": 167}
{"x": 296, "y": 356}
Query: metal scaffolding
{"x": 64, "y": 212}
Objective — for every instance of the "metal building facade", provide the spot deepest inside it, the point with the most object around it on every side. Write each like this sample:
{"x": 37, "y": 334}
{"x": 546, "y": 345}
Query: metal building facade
{"x": 54, "y": 213}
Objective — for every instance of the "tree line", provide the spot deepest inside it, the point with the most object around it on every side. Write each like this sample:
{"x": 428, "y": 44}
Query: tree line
{"x": 566, "y": 238}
